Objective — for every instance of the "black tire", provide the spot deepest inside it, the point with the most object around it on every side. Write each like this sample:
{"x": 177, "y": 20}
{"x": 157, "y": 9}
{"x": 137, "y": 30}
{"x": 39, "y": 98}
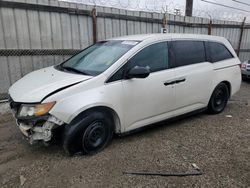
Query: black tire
{"x": 89, "y": 134}
{"x": 245, "y": 78}
{"x": 219, "y": 99}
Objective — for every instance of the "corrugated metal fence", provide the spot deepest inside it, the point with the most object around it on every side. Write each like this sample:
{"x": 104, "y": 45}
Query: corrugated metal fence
{"x": 39, "y": 33}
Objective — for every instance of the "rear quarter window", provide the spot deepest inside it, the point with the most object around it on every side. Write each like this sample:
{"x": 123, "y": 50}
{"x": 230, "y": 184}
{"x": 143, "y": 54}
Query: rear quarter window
{"x": 218, "y": 52}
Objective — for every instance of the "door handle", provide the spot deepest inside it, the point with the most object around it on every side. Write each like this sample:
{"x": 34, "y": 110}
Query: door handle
{"x": 169, "y": 83}
{"x": 175, "y": 82}
{"x": 181, "y": 80}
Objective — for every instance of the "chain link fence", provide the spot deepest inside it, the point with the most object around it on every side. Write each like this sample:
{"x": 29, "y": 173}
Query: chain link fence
{"x": 38, "y": 52}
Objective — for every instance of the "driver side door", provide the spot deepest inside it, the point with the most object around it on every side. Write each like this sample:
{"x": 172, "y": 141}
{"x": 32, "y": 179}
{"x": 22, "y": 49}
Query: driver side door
{"x": 151, "y": 99}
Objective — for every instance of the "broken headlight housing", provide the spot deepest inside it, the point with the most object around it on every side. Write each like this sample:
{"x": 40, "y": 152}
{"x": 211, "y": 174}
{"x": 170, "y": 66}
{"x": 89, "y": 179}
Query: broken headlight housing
{"x": 35, "y": 110}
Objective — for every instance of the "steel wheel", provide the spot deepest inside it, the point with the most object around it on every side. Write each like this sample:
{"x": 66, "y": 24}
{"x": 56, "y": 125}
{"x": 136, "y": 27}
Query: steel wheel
{"x": 219, "y": 99}
{"x": 94, "y": 137}
{"x": 89, "y": 133}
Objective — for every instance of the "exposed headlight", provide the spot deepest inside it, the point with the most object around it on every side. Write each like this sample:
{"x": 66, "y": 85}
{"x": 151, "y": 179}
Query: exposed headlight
{"x": 27, "y": 110}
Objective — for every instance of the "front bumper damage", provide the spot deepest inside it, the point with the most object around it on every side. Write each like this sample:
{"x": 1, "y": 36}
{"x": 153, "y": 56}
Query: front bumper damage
{"x": 39, "y": 130}
{"x": 35, "y": 128}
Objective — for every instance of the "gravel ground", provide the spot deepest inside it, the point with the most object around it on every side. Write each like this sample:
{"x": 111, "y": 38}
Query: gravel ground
{"x": 218, "y": 144}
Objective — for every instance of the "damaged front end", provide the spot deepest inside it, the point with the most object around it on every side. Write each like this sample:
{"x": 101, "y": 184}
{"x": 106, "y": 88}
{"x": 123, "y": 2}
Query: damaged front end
{"x": 39, "y": 130}
{"x": 34, "y": 121}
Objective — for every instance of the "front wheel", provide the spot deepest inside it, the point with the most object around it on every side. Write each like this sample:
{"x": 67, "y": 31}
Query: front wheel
{"x": 219, "y": 99}
{"x": 95, "y": 137}
{"x": 89, "y": 135}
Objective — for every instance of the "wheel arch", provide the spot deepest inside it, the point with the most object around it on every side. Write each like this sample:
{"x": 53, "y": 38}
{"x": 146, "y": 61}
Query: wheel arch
{"x": 228, "y": 84}
{"x": 111, "y": 112}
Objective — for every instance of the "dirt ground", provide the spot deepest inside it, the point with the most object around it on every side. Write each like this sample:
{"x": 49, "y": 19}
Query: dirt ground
{"x": 218, "y": 144}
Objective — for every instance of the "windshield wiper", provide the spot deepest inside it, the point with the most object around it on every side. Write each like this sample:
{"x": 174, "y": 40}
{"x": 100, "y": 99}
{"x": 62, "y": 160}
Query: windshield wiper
{"x": 72, "y": 69}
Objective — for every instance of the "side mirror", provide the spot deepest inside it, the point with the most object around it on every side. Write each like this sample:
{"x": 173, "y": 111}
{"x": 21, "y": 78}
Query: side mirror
{"x": 138, "y": 72}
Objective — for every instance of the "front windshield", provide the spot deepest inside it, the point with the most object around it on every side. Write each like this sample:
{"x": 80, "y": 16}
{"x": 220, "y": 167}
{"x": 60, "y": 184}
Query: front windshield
{"x": 98, "y": 57}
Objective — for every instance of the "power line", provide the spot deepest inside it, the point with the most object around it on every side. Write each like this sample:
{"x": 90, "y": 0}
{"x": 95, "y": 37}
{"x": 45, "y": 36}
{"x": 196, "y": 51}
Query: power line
{"x": 241, "y": 2}
{"x": 225, "y": 6}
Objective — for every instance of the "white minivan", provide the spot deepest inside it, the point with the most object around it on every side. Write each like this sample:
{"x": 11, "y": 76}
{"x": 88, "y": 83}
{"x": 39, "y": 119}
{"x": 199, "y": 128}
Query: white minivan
{"x": 122, "y": 84}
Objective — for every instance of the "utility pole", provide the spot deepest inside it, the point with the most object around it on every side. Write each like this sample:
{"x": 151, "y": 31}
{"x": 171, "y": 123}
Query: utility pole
{"x": 189, "y": 7}
{"x": 241, "y": 35}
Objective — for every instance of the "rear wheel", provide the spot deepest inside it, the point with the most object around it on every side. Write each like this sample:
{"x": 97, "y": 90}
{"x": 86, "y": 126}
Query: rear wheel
{"x": 245, "y": 78}
{"x": 219, "y": 99}
{"x": 88, "y": 135}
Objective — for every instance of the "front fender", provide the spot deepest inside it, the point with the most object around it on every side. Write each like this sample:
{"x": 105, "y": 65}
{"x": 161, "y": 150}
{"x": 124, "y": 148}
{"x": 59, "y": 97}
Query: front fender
{"x": 69, "y": 107}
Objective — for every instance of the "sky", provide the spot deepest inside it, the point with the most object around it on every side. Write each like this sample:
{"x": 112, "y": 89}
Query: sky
{"x": 201, "y": 8}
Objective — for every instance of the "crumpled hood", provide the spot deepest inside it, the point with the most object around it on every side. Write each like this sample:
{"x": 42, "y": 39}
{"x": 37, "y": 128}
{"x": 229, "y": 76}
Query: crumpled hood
{"x": 38, "y": 84}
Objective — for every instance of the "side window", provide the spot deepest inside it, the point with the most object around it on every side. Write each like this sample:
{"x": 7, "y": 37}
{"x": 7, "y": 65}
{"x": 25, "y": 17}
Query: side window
{"x": 187, "y": 52}
{"x": 154, "y": 56}
{"x": 218, "y": 52}
{"x": 117, "y": 76}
